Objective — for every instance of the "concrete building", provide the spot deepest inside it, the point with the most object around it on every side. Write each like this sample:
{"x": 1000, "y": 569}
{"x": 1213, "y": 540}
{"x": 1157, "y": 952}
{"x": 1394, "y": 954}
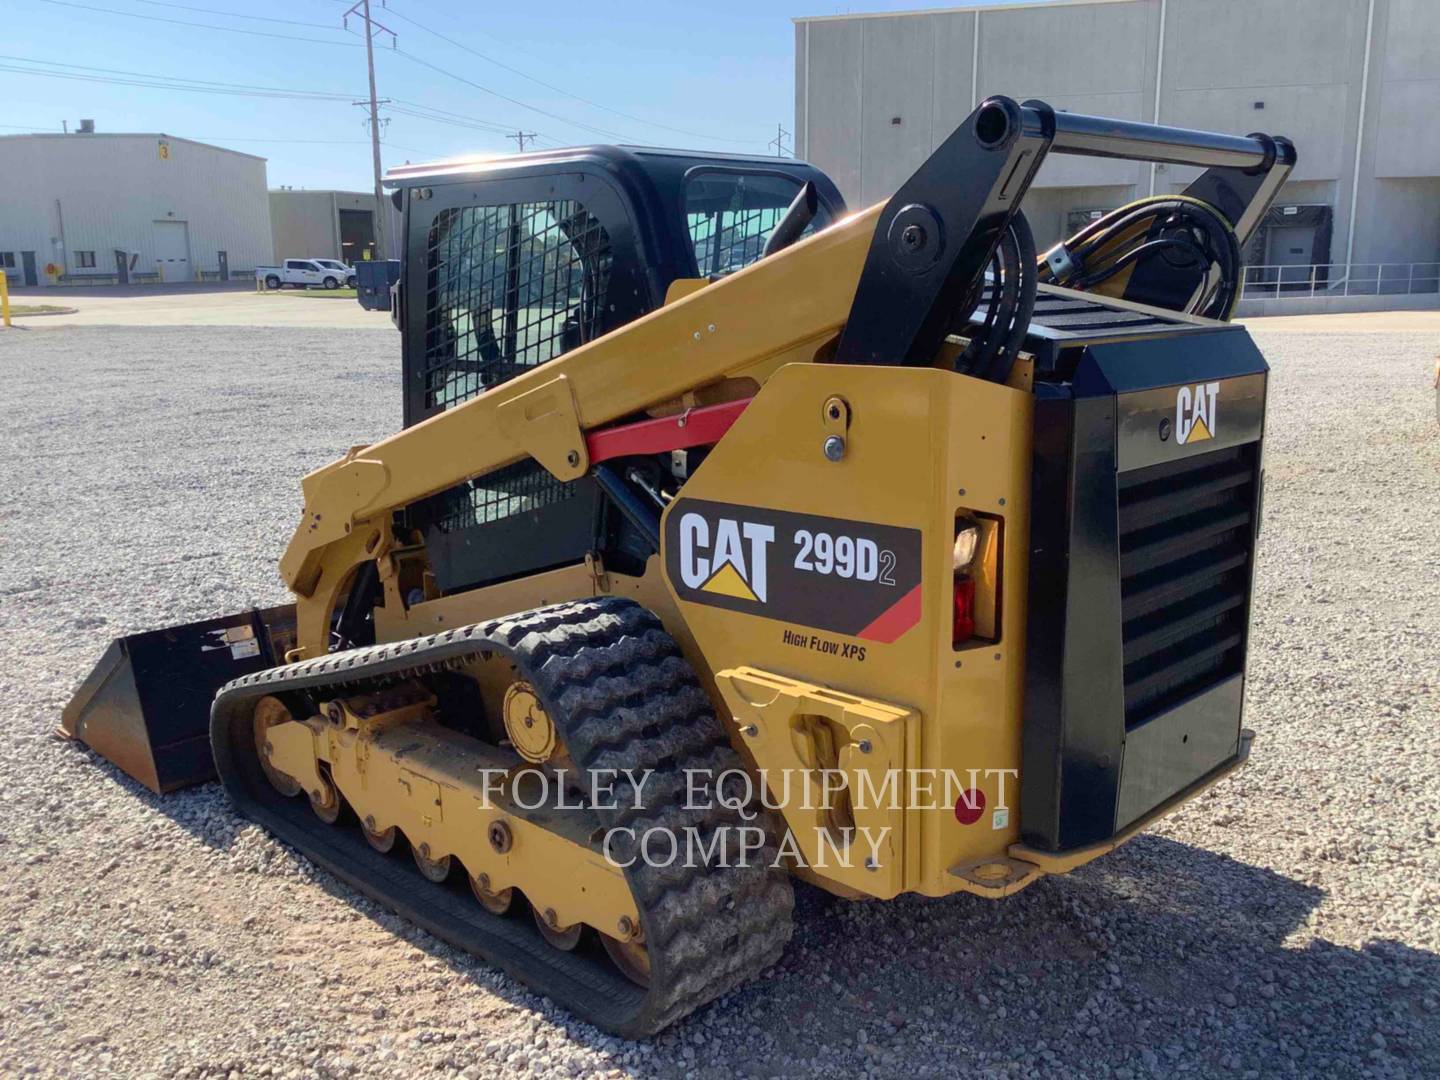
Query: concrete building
{"x": 323, "y": 224}
{"x": 1352, "y": 82}
{"x": 93, "y": 208}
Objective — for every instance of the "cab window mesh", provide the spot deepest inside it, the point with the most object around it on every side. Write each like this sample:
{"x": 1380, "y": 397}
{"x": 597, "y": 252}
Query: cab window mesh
{"x": 508, "y": 288}
{"x": 515, "y": 489}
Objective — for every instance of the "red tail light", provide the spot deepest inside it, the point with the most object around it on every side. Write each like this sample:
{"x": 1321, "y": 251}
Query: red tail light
{"x": 964, "y": 624}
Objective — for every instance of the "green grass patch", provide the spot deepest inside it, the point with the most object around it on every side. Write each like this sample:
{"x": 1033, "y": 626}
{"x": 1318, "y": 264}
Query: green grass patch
{"x": 324, "y": 294}
{"x": 39, "y": 309}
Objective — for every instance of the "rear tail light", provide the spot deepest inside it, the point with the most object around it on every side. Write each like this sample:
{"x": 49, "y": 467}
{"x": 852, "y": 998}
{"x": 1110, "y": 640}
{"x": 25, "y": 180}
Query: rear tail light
{"x": 967, "y": 540}
{"x": 964, "y": 622}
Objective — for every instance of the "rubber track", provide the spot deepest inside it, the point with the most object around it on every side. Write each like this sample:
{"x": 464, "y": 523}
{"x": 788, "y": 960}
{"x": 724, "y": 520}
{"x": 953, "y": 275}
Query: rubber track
{"x": 623, "y": 697}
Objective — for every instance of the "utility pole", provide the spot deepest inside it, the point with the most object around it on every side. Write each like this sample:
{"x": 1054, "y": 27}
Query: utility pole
{"x": 520, "y": 137}
{"x": 362, "y": 9}
{"x": 779, "y": 141}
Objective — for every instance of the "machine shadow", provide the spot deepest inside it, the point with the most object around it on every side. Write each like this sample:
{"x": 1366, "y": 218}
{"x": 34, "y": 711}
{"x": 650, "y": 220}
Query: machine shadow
{"x": 1159, "y": 953}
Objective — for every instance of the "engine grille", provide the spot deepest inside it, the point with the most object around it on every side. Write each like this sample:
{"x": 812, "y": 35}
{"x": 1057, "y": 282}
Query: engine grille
{"x": 1186, "y": 542}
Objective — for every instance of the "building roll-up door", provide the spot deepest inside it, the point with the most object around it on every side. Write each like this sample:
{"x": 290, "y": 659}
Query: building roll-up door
{"x": 172, "y": 250}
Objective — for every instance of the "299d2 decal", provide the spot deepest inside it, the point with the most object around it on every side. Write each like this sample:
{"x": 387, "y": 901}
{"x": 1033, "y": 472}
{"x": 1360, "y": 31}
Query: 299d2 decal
{"x": 848, "y": 577}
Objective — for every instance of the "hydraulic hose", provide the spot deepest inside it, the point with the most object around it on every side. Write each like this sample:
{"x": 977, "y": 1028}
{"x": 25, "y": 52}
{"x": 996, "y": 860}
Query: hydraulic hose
{"x": 1013, "y": 277}
{"x": 1185, "y": 232}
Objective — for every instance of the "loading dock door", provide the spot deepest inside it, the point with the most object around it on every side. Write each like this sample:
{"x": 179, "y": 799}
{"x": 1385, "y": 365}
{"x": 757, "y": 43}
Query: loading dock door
{"x": 357, "y": 236}
{"x": 1291, "y": 245}
{"x": 1292, "y": 249}
{"x": 172, "y": 250}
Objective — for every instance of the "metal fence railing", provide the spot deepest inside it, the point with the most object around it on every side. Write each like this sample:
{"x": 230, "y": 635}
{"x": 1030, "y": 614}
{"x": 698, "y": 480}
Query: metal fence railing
{"x": 1340, "y": 279}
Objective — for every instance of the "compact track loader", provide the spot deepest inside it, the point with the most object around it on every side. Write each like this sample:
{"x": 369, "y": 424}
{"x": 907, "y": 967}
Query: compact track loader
{"x": 733, "y": 536}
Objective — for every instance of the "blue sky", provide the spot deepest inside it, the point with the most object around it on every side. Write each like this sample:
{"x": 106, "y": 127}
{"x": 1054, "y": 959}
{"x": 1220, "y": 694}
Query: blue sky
{"x": 683, "y": 74}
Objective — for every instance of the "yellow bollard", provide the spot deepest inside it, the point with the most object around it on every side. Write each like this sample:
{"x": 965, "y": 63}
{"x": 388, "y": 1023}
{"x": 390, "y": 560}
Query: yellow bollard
{"x": 4, "y": 298}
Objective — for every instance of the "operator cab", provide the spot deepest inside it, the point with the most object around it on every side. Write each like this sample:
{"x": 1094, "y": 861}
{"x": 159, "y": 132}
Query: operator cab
{"x": 512, "y": 261}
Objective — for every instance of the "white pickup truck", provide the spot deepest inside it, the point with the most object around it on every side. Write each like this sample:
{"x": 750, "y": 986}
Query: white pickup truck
{"x": 303, "y": 273}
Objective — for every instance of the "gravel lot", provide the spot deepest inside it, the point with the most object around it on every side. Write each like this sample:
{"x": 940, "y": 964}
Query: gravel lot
{"x": 1286, "y": 924}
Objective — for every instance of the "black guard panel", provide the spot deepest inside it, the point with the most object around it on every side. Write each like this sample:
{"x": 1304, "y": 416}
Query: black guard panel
{"x": 848, "y": 577}
{"x": 1145, "y": 508}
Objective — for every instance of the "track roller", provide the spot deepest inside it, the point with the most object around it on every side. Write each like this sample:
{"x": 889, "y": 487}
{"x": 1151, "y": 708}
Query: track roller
{"x": 564, "y": 938}
{"x": 327, "y": 803}
{"x": 382, "y": 840}
{"x": 629, "y": 953}
{"x": 436, "y": 870}
{"x": 497, "y": 903}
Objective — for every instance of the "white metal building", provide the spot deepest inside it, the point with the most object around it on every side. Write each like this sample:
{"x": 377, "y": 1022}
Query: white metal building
{"x": 1353, "y": 83}
{"x": 115, "y": 209}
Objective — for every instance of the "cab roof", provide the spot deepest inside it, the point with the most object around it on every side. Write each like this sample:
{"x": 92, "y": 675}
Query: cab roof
{"x": 650, "y": 159}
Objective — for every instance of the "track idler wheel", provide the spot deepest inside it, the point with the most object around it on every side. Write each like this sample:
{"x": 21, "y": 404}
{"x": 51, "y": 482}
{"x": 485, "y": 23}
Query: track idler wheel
{"x": 269, "y": 711}
{"x": 564, "y": 938}
{"x": 436, "y": 870}
{"x": 497, "y": 903}
{"x": 382, "y": 840}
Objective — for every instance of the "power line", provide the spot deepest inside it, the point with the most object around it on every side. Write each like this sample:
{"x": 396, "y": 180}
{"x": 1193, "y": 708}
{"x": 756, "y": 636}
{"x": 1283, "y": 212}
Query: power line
{"x": 560, "y": 90}
{"x": 123, "y": 77}
{"x": 257, "y": 139}
{"x": 413, "y": 150}
{"x": 453, "y": 120}
{"x": 514, "y": 101}
{"x": 414, "y": 59}
{"x": 310, "y": 142}
{"x": 520, "y": 137}
{"x": 201, "y": 26}
{"x": 233, "y": 14}
{"x": 88, "y": 73}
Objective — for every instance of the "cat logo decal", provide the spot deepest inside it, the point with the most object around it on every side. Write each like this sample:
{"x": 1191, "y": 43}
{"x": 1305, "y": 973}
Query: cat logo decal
{"x": 1195, "y": 412}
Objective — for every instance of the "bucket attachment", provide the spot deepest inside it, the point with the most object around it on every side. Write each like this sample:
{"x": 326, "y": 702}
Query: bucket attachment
{"x": 146, "y": 706}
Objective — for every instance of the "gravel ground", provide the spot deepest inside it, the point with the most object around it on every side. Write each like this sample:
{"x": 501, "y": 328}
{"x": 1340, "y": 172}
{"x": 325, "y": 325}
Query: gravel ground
{"x": 1285, "y": 924}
